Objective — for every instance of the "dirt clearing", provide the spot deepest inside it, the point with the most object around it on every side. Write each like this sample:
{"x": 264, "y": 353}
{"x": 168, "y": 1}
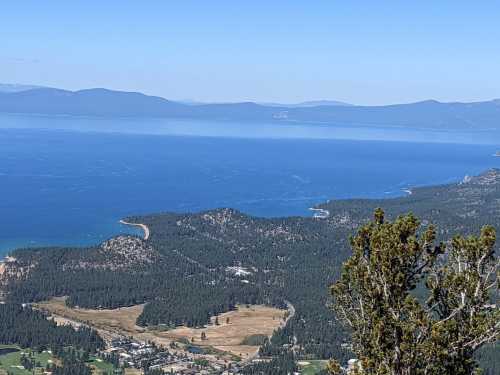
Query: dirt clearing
{"x": 234, "y": 326}
{"x": 228, "y": 336}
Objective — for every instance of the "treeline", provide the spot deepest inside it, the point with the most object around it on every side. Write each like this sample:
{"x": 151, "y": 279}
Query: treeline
{"x": 176, "y": 292}
{"x": 73, "y": 363}
{"x": 193, "y": 303}
{"x": 289, "y": 259}
{"x": 31, "y": 329}
{"x": 282, "y": 259}
{"x": 283, "y": 364}
{"x": 28, "y": 328}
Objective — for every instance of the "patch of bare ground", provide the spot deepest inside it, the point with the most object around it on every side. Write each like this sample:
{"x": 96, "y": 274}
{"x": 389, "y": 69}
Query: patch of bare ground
{"x": 233, "y": 328}
{"x": 109, "y": 323}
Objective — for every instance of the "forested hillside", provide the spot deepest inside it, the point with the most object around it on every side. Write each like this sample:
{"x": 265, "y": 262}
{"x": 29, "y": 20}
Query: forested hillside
{"x": 31, "y": 329}
{"x": 27, "y": 328}
{"x": 196, "y": 265}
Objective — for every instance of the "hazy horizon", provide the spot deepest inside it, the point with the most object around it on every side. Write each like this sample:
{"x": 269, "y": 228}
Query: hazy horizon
{"x": 286, "y": 52}
{"x": 199, "y": 102}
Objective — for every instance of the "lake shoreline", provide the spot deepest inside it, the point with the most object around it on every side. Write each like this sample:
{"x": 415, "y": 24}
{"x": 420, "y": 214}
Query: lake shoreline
{"x": 320, "y": 213}
{"x": 76, "y": 197}
{"x": 144, "y": 227}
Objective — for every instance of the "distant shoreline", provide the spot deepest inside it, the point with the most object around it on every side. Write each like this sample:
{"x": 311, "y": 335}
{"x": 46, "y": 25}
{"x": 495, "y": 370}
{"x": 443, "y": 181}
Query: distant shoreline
{"x": 144, "y": 227}
{"x": 320, "y": 213}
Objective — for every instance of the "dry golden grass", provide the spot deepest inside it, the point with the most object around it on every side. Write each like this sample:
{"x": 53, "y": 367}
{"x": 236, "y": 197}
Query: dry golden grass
{"x": 119, "y": 320}
{"x": 109, "y": 323}
{"x": 243, "y": 322}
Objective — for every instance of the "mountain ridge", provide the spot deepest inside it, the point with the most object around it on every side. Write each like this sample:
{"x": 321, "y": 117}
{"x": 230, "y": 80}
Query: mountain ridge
{"x": 111, "y": 103}
{"x": 17, "y": 87}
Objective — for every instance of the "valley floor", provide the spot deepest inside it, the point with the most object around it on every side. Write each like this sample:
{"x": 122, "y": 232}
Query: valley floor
{"x": 230, "y": 336}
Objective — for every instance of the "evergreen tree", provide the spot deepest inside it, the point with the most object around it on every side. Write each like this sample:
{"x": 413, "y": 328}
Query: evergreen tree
{"x": 393, "y": 331}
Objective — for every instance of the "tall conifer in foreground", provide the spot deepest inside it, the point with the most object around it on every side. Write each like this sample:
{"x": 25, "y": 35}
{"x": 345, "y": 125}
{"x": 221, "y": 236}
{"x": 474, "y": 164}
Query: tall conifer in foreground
{"x": 395, "y": 332}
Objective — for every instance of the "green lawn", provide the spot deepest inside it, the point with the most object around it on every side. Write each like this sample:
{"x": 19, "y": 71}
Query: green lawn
{"x": 313, "y": 367}
{"x": 100, "y": 366}
{"x": 11, "y": 362}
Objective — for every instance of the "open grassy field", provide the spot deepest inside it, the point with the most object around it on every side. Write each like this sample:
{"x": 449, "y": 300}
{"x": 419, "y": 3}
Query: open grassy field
{"x": 312, "y": 367}
{"x": 11, "y": 363}
{"x": 118, "y": 320}
{"x": 109, "y": 323}
{"x": 100, "y": 367}
{"x": 227, "y": 337}
{"x": 243, "y": 322}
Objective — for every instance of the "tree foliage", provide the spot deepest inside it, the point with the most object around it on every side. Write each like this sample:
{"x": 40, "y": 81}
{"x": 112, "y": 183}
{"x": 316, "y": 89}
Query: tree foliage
{"x": 32, "y": 329}
{"x": 181, "y": 271}
{"x": 415, "y": 306}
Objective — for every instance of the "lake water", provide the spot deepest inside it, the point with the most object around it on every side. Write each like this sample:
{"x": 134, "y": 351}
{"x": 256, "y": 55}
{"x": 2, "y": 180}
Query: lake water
{"x": 67, "y": 180}
{"x": 5, "y": 351}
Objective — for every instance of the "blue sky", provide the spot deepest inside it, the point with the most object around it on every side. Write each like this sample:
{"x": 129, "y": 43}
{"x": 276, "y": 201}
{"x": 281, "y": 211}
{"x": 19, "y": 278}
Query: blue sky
{"x": 364, "y": 52}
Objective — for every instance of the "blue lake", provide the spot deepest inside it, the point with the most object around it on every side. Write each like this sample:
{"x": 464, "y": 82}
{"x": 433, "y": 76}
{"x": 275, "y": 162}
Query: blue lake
{"x": 67, "y": 181}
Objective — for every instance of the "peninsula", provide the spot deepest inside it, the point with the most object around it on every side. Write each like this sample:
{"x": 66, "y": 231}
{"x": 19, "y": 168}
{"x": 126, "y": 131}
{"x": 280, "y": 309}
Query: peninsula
{"x": 142, "y": 226}
{"x": 193, "y": 271}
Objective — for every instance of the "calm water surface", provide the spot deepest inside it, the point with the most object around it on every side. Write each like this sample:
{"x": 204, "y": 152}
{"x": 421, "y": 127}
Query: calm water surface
{"x": 67, "y": 181}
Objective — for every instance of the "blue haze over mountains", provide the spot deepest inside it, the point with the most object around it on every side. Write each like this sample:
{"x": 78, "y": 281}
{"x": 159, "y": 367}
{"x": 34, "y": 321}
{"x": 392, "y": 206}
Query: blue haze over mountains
{"x": 103, "y": 102}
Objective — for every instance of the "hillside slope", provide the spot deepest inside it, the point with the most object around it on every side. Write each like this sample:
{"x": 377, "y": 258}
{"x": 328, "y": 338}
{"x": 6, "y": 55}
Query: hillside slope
{"x": 196, "y": 265}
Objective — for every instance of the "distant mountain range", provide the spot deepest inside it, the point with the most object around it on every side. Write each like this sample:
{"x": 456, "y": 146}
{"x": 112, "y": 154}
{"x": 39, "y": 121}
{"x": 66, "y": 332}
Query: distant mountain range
{"x": 14, "y": 87}
{"x": 103, "y": 102}
{"x": 312, "y": 103}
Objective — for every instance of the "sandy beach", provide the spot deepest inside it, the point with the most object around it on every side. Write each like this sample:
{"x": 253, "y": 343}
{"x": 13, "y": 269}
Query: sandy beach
{"x": 320, "y": 213}
{"x": 143, "y": 227}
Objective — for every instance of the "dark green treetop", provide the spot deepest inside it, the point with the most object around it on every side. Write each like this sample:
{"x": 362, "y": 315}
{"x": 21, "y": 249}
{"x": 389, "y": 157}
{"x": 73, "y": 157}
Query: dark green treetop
{"x": 396, "y": 332}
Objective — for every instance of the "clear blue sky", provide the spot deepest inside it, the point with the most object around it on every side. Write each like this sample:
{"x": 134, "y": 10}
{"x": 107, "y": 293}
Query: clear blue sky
{"x": 365, "y": 52}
